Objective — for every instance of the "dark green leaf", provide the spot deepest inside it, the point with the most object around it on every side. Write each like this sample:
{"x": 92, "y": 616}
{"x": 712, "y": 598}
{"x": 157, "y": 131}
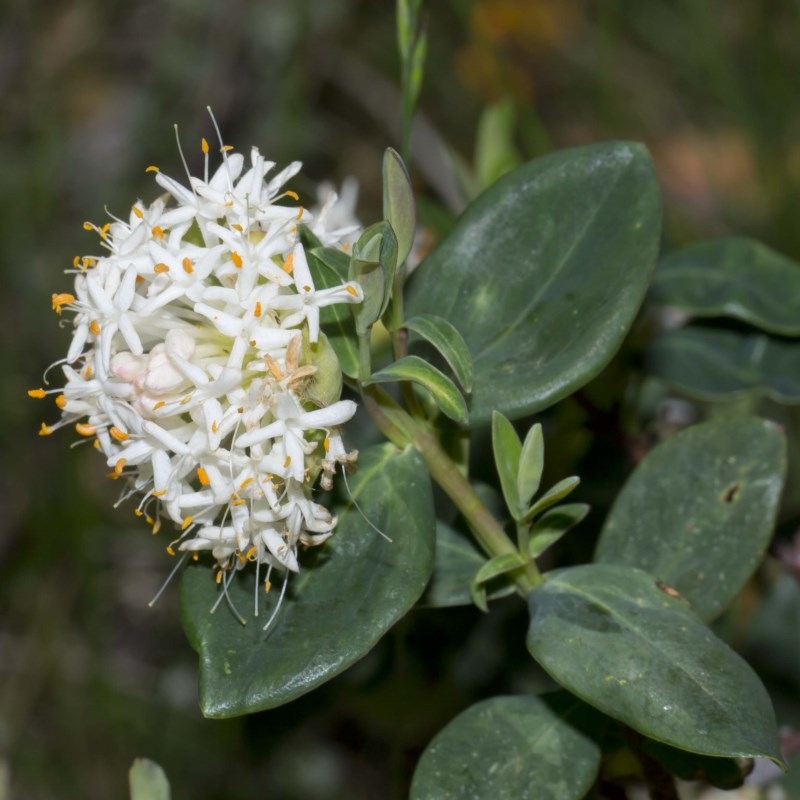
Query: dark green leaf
{"x": 735, "y": 277}
{"x": 724, "y": 773}
{"x": 544, "y": 272}
{"x": 713, "y": 364}
{"x": 349, "y": 593}
{"x": 507, "y": 450}
{"x": 699, "y": 510}
{"x": 507, "y": 748}
{"x": 329, "y": 268}
{"x": 457, "y": 561}
{"x": 444, "y": 392}
{"x": 552, "y": 496}
{"x": 611, "y": 636}
{"x": 399, "y": 209}
{"x": 148, "y": 781}
{"x": 550, "y": 527}
{"x": 448, "y": 341}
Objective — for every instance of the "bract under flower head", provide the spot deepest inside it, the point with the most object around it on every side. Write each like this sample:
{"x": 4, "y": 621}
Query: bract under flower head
{"x": 186, "y": 364}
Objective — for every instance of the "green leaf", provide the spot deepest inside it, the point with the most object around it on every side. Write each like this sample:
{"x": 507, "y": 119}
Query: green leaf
{"x": 699, "y": 510}
{"x": 373, "y": 265}
{"x": 712, "y": 364}
{"x": 399, "y": 209}
{"x": 531, "y": 465}
{"x": 495, "y": 152}
{"x": 329, "y": 268}
{"x": 148, "y": 781}
{"x": 499, "y": 565}
{"x": 544, "y": 273}
{"x": 443, "y": 390}
{"x": 724, "y": 773}
{"x": 555, "y": 493}
{"x": 611, "y": 636}
{"x": 507, "y": 451}
{"x": 448, "y": 341}
{"x": 457, "y": 560}
{"x": 735, "y": 277}
{"x": 507, "y": 748}
{"x": 550, "y": 527}
{"x": 349, "y": 593}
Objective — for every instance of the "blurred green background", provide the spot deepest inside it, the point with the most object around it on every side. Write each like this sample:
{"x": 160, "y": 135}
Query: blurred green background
{"x": 92, "y": 677}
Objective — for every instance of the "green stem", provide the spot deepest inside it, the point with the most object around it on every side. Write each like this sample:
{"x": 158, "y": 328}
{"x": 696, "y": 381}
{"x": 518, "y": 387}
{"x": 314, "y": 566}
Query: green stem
{"x": 364, "y": 356}
{"x": 402, "y": 430}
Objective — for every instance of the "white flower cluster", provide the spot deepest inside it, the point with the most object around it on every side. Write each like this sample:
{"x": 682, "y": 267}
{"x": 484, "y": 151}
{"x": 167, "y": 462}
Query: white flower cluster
{"x": 195, "y": 352}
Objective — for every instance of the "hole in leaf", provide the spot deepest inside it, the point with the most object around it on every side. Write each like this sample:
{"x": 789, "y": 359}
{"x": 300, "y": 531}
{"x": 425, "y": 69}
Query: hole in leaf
{"x": 731, "y": 493}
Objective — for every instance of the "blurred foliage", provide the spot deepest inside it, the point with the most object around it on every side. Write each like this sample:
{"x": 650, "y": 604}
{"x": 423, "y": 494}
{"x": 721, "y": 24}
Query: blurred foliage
{"x": 92, "y": 676}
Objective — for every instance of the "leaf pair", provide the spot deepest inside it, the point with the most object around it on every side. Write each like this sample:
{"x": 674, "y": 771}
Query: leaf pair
{"x": 697, "y": 514}
{"x": 449, "y": 343}
{"x": 520, "y": 466}
{"x": 744, "y": 280}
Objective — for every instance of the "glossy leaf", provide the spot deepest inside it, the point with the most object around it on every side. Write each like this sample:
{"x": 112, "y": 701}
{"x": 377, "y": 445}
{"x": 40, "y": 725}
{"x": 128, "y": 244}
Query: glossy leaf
{"x": 531, "y": 465}
{"x": 147, "y": 781}
{"x": 699, "y": 510}
{"x": 329, "y": 267}
{"x": 507, "y": 450}
{"x": 734, "y": 277}
{"x": 349, "y": 592}
{"x": 712, "y": 364}
{"x": 399, "y": 209}
{"x": 448, "y": 341}
{"x": 551, "y": 526}
{"x": 552, "y": 496}
{"x": 457, "y": 562}
{"x": 507, "y": 748}
{"x": 611, "y": 636}
{"x": 544, "y": 273}
{"x": 444, "y": 392}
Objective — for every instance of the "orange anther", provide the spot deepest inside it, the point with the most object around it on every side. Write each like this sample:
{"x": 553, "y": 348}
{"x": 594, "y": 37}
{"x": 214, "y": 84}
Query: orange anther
{"x": 85, "y": 429}
{"x": 187, "y": 265}
{"x": 94, "y": 327}
{"x": 237, "y": 260}
{"x": 38, "y": 394}
{"x": 288, "y": 265}
{"x": 202, "y": 476}
{"x": 160, "y": 267}
{"x": 45, "y": 430}
{"x": 118, "y": 434}
{"x": 61, "y": 299}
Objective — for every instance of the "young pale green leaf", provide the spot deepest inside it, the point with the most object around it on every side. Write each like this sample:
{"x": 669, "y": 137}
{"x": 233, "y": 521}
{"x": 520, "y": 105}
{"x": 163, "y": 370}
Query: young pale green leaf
{"x": 444, "y": 392}
{"x": 544, "y": 273}
{"x": 699, "y": 510}
{"x": 611, "y": 635}
{"x": 456, "y": 562}
{"x": 329, "y": 268}
{"x": 449, "y": 342}
{"x": 495, "y": 151}
{"x": 373, "y": 265}
{"x": 551, "y": 526}
{"x": 531, "y": 464}
{"x": 148, "y": 781}
{"x": 507, "y": 748}
{"x": 399, "y": 208}
{"x": 349, "y": 592}
{"x": 712, "y": 364}
{"x": 552, "y": 496}
{"x": 507, "y": 452}
{"x": 499, "y": 565}
{"x": 735, "y": 277}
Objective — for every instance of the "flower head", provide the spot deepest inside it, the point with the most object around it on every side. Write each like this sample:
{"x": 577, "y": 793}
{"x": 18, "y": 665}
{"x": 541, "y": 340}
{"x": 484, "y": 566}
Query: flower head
{"x": 192, "y": 354}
